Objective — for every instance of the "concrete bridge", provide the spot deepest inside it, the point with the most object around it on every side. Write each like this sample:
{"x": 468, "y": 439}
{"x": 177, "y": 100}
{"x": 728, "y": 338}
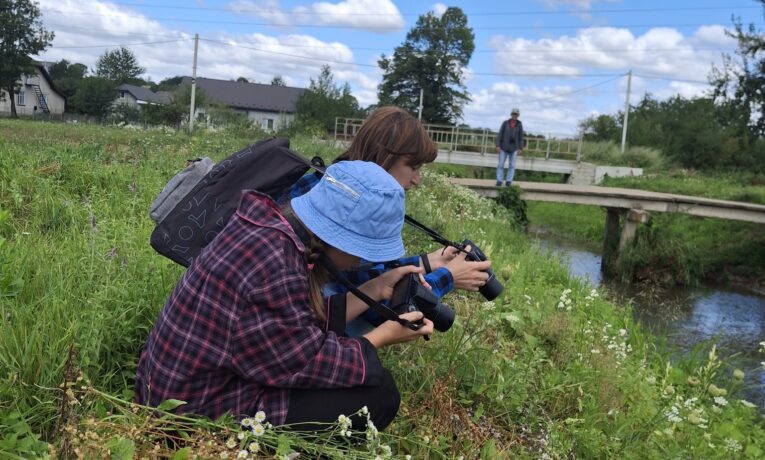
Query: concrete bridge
{"x": 632, "y": 204}
{"x": 475, "y": 147}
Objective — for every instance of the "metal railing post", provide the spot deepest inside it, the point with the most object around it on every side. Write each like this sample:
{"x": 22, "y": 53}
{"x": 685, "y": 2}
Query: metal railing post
{"x": 452, "y": 144}
{"x": 483, "y": 142}
{"x": 547, "y": 154}
{"x": 579, "y": 147}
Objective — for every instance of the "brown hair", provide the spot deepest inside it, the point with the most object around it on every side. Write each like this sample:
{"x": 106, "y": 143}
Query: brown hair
{"x": 388, "y": 134}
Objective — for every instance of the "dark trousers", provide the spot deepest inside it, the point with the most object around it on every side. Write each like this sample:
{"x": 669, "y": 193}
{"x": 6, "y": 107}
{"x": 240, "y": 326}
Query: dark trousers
{"x": 324, "y": 406}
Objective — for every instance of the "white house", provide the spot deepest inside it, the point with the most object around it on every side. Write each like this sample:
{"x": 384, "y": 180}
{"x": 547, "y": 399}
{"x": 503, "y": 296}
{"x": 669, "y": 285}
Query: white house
{"x": 37, "y": 95}
{"x": 268, "y": 106}
{"x": 138, "y": 96}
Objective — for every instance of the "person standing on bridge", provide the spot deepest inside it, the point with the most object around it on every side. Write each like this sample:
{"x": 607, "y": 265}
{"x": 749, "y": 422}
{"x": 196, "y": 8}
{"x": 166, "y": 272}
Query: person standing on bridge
{"x": 509, "y": 144}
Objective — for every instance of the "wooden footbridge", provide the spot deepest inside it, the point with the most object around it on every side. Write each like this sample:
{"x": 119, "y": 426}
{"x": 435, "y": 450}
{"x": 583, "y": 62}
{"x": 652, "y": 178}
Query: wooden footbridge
{"x": 633, "y": 205}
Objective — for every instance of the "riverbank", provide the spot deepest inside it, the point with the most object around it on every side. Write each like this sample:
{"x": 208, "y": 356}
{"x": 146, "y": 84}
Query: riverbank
{"x": 549, "y": 369}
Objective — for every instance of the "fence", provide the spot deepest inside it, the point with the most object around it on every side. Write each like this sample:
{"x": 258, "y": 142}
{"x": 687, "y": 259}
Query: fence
{"x": 461, "y": 139}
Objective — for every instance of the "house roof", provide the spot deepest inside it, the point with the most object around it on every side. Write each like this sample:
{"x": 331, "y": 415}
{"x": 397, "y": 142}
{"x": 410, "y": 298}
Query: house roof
{"x": 146, "y": 95}
{"x": 254, "y": 96}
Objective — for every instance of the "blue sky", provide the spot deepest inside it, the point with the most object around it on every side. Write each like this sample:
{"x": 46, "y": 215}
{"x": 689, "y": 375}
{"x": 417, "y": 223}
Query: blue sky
{"x": 559, "y": 61}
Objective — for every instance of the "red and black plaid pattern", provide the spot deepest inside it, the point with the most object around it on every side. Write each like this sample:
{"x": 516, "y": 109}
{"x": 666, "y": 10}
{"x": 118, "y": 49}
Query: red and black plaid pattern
{"x": 238, "y": 330}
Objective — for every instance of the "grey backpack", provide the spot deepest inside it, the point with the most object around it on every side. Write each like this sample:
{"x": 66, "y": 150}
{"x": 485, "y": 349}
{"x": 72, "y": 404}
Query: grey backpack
{"x": 178, "y": 187}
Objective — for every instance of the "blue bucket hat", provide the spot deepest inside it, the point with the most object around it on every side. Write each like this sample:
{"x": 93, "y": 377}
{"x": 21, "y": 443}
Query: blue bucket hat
{"x": 358, "y": 208}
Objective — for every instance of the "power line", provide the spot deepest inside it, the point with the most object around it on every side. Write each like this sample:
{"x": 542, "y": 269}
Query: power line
{"x": 349, "y": 26}
{"x": 467, "y": 13}
{"x": 568, "y": 93}
{"x": 656, "y": 77}
{"x": 124, "y": 44}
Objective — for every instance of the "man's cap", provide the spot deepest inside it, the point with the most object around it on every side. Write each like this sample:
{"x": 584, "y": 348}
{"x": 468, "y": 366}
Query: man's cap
{"x": 358, "y": 208}
{"x": 515, "y": 110}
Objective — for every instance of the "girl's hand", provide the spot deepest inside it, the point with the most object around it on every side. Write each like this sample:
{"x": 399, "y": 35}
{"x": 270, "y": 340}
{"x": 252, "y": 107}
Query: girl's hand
{"x": 391, "y": 332}
{"x": 381, "y": 288}
{"x": 468, "y": 275}
{"x": 440, "y": 257}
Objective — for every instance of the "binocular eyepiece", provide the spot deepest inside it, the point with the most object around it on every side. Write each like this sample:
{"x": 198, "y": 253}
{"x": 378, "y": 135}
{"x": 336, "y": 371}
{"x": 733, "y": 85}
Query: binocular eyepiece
{"x": 410, "y": 295}
{"x": 493, "y": 287}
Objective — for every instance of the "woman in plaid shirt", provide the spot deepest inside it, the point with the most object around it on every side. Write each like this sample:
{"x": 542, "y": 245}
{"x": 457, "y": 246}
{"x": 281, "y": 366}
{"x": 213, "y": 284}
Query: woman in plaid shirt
{"x": 246, "y": 328}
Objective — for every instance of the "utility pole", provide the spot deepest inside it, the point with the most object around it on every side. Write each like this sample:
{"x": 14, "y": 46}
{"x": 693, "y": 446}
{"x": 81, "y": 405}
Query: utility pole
{"x": 419, "y": 111}
{"x": 193, "y": 84}
{"x": 626, "y": 111}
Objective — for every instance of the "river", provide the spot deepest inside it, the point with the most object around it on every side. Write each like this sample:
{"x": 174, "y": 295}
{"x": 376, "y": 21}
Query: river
{"x": 732, "y": 318}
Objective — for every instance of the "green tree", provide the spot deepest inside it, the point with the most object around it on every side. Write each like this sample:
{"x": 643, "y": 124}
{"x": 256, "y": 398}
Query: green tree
{"x": 278, "y": 81}
{"x": 431, "y": 59}
{"x": 324, "y": 100}
{"x": 740, "y": 82}
{"x": 601, "y": 128}
{"x": 94, "y": 96}
{"x": 170, "y": 84}
{"x": 67, "y": 76}
{"x": 120, "y": 66}
{"x": 21, "y": 35}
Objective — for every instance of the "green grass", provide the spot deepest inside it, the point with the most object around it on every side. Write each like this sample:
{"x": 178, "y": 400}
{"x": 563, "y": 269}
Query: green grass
{"x": 549, "y": 368}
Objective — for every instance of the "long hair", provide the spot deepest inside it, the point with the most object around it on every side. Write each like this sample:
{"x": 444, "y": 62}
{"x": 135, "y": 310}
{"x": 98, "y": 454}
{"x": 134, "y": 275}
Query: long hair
{"x": 388, "y": 134}
{"x": 317, "y": 278}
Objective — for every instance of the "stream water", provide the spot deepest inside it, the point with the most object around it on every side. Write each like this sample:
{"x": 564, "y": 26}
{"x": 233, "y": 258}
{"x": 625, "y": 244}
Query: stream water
{"x": 732, "y": 318}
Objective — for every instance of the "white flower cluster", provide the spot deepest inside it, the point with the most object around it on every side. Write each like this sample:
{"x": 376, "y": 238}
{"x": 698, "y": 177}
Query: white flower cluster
{"x": 565, "y": 300}
{"x": 687, "y": 410}
{"x": 344, "y": 423}
{"x": 591, "y": 297}
{"x": 732, "y": 446}
{"x": 617, "y": 343}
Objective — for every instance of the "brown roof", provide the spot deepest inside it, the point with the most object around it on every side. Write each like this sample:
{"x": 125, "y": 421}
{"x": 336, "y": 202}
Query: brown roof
{"x": 255, "y": 96}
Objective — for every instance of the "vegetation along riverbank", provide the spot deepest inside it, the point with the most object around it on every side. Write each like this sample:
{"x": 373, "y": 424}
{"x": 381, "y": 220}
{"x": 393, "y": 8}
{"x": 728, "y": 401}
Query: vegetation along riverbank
{"x": 548, "y": 370}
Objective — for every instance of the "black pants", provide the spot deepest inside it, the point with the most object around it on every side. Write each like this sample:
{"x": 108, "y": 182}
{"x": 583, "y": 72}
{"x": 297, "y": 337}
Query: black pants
{"x": 325, "y": 406}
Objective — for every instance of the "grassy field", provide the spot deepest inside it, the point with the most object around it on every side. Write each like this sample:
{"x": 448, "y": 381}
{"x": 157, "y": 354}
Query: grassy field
{"x": 548, "y": 370}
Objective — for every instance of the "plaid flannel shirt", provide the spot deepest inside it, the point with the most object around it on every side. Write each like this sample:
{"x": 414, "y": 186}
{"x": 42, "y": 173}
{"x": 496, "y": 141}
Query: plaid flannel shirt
{"x": 440, "y": 280}
{"x": 238, "y": 330}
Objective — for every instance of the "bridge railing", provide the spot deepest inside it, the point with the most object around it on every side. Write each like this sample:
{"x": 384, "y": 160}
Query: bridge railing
{"x": 461, "y": 139}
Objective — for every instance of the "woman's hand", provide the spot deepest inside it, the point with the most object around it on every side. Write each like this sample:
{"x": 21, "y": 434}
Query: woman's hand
{"x": 468, "y": 275}
{"x": 381, "y": 288}
{"x": 391, "y": 332}
{"x": 440, "y": 257}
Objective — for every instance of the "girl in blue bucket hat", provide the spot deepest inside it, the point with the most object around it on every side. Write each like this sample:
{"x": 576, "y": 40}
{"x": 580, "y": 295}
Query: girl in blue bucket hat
{"x": 397, "y": 141}
{"x": 246, "y": 329}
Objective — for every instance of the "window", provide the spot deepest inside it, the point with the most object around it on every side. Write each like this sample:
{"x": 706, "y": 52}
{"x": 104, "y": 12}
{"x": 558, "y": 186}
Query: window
{"x": 21, "y": 97}
{"x": 267, "y": 123}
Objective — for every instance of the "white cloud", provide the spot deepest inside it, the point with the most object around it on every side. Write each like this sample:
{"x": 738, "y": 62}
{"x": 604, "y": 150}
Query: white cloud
{"x": 374, "y": 15}
{"x": 659, "y": 52}
{"x": 257, "y": 57}
{"x": 583, "y": 5}
{"x": 439, "y": 9}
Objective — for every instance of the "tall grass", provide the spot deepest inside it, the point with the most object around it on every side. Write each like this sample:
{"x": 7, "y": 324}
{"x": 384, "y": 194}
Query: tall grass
{"x": 549, "y": 369}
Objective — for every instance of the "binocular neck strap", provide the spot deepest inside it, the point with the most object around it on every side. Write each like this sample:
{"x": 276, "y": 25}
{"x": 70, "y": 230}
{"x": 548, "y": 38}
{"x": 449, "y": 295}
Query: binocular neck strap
{"x": 384, "y": 311}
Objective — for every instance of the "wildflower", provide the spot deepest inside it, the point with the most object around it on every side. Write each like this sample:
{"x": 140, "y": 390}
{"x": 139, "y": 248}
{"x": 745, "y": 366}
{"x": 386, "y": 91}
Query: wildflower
{"x": 247, "y": 422}
{"x": 673, "y": 415}
{"x": 623, "y": 332}
{"x": 426, "y": 439}
{"x": 342, "y": 419}
{"x": 720, "y": 401}
{"x": 511, "y": 318}
{"x": 713, "y": 354}
{"x": 253, "y": 447}
{"x": 746, "y": 403}
{"x": 231, "y": 443}
{"x": 669, "y": 390}
{"x": 738, "y": 374}
{"x": 240, "y": 436}
{"x": 714, "y": 390}
{"x": 258, "y": 429}
{"x": 407, "y": 457}
{"x": 224, "y": 455}
{"x": 694, "y": 418}
{"x": 693, "y": 381}
{"x": 242, "y": 455}
{"x": 260, "y": 416}
{"x": 651, "y": 379}
{"x": 595, "y": 351}
{"x": 762, "y": 347}
{"x": 365, "y": 410}
{"x": 731, "y": 445}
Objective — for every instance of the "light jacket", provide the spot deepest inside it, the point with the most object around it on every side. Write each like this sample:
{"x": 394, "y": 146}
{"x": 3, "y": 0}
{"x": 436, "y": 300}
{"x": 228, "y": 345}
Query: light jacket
{"x": 510, "y": 139}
